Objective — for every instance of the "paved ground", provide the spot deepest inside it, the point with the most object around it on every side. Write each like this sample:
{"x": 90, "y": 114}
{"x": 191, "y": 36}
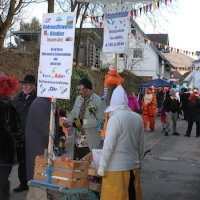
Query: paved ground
{"x": 170, "y": 171}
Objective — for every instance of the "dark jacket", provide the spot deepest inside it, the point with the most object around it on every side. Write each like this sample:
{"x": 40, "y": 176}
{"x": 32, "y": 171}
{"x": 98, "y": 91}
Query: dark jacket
{"x": 37, "y": 132}
{"x": 160, "y": 99}
{"x": 22, "y": 103}
{"x": 184, "y": 100}
{"x": 194, "y": 111}
{"x": 10, "y": 132}
{"x": 172, "y": 105}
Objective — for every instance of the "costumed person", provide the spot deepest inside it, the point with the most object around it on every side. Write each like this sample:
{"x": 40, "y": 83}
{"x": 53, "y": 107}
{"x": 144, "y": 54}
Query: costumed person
{"x": 172, "y": 108}
{"x": 123, "y": 151}
{"x": 22, "y": 104}
{"x": 112, "y": 78}
{"x": 10, "y": 133}
{"x": 88, "y": 110}
{"x": 149, "y": 108}
{"x": 193, "y": 113}
{"x": 133, "y": 102}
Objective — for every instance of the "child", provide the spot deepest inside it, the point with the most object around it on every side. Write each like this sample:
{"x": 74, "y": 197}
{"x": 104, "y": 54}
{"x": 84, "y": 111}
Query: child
{"x": 163, "y": 119}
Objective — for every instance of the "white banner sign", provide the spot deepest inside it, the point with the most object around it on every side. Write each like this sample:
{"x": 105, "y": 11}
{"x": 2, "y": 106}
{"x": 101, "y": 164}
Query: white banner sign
{"x": 56, "y": 55}
{"x": 116, "y": 28}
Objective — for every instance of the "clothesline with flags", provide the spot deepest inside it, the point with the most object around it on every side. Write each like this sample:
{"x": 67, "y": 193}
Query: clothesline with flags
{"x": 149, "y": 7}
{"x": 159, "y": 45}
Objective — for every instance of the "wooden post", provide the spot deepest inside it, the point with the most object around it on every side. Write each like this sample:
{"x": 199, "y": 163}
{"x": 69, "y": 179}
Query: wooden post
{"x": 116, "y": 55}
{"x": 51, "y": 131}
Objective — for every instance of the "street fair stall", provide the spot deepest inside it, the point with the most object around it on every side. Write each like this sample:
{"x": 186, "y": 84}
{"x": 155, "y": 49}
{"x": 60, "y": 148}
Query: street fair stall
{"x": 53, "y": 171}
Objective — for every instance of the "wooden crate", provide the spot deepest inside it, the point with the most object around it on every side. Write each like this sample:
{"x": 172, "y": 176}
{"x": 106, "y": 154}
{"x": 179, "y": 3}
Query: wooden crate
{"x": 73, "y": 174}
{"x": 94, "y": 186}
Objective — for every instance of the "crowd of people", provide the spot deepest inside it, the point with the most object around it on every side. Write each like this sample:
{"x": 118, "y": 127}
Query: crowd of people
{"x": 25, "y": 121}
{"x": 170, "y": 104}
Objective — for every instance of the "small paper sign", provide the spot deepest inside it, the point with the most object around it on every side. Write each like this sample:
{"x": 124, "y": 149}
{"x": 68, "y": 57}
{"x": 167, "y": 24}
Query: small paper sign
{"x": 96, "y": 153}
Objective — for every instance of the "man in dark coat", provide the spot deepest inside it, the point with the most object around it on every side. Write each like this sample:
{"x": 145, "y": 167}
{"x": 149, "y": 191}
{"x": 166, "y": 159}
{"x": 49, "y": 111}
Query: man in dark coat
{"x": 193, "y": 113}
{"x": 184, "y": 99}
{"x": 37, "y": 132}
{"x": 160, "y": 96}
{"x": 22, "y": 103}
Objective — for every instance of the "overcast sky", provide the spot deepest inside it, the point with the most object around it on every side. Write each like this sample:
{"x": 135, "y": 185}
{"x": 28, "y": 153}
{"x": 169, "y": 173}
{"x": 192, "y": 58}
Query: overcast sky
{"x": 179, "y": 20}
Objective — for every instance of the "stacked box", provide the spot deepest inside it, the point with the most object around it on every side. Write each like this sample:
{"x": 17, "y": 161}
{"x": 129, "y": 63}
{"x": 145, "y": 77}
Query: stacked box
{"x": 70, "y": 174}
{"x": 94, "y": 180}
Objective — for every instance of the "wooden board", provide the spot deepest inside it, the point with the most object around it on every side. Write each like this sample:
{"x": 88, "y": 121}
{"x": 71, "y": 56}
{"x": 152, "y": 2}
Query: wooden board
{"x": 71, "y": 184}
{"x": 92, "y": 172}
{"x": 40, "y": 160}
{"x": 62, "y": 173}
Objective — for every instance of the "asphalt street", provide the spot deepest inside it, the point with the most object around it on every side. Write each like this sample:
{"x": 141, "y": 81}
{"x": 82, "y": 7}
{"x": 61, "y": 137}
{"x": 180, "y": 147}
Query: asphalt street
{"x": 170, "y": 171}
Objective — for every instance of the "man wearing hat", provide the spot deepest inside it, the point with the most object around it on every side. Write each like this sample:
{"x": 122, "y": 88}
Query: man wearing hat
{"x": 22, "y": 103}
{"x": 87, "y": 112}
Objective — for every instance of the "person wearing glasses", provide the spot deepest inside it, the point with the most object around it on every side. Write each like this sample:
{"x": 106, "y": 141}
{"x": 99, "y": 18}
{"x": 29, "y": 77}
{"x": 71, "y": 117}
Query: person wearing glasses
{"x": 85, "y": 116}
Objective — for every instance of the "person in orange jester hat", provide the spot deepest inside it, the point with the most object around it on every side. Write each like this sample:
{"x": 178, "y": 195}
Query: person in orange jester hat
{"x": 112, "y": 78}
{"x": 149, "y": 108}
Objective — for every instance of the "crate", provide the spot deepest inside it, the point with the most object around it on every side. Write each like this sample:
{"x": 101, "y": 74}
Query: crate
{"x": 94, "y": 186}
{"x": 72, "y": 174}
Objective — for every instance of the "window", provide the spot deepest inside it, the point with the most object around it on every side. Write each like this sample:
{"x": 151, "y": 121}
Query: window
{"x": 137, "y": 53}
{"x": 133, "y": 31}
{"x": 121, "y": 55}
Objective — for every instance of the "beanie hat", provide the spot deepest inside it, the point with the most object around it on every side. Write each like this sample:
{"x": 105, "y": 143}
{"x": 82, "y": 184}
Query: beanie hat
{"x": 118, "y": 99}
{"x": 172, "y": 91}
{"x": 86, "y": 82}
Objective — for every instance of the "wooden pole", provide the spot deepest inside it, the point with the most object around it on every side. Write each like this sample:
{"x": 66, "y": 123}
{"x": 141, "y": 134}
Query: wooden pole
{"x": 116, "y": 55}
{"x": 51, "y": 131}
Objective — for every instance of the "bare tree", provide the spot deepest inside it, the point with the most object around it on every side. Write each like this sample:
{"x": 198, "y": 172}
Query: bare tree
{"x": 50, "y": 6}
{"x": 83, "y": 11}
{"x": 8, "y": 10}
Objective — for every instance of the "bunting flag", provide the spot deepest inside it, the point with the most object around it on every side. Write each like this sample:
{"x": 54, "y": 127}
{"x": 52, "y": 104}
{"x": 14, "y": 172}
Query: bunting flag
{"x": 98, "y": 22}
{"x": 162, "y": 46}
{"x": 136, "y": 12}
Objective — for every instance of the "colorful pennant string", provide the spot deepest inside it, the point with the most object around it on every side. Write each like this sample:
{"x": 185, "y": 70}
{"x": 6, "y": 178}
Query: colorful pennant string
{"x": 162, "y": 46}
{"x": 135, "y": 12}
{"x": 98, "y": 22}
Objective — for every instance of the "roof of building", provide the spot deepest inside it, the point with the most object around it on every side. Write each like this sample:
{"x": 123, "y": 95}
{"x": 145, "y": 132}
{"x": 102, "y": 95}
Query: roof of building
{"x": 179, "y": 59}
{"x": 27, "y": 35}
{"x": 176, "y": 74}
{"x": 161, "y": 55}
{"x": 160, "y": 38}
{"x": 185, "y": 78}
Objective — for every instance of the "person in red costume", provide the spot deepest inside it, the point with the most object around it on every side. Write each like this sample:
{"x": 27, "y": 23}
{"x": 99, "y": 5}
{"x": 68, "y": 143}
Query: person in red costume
{"x": 149, "y": 108}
